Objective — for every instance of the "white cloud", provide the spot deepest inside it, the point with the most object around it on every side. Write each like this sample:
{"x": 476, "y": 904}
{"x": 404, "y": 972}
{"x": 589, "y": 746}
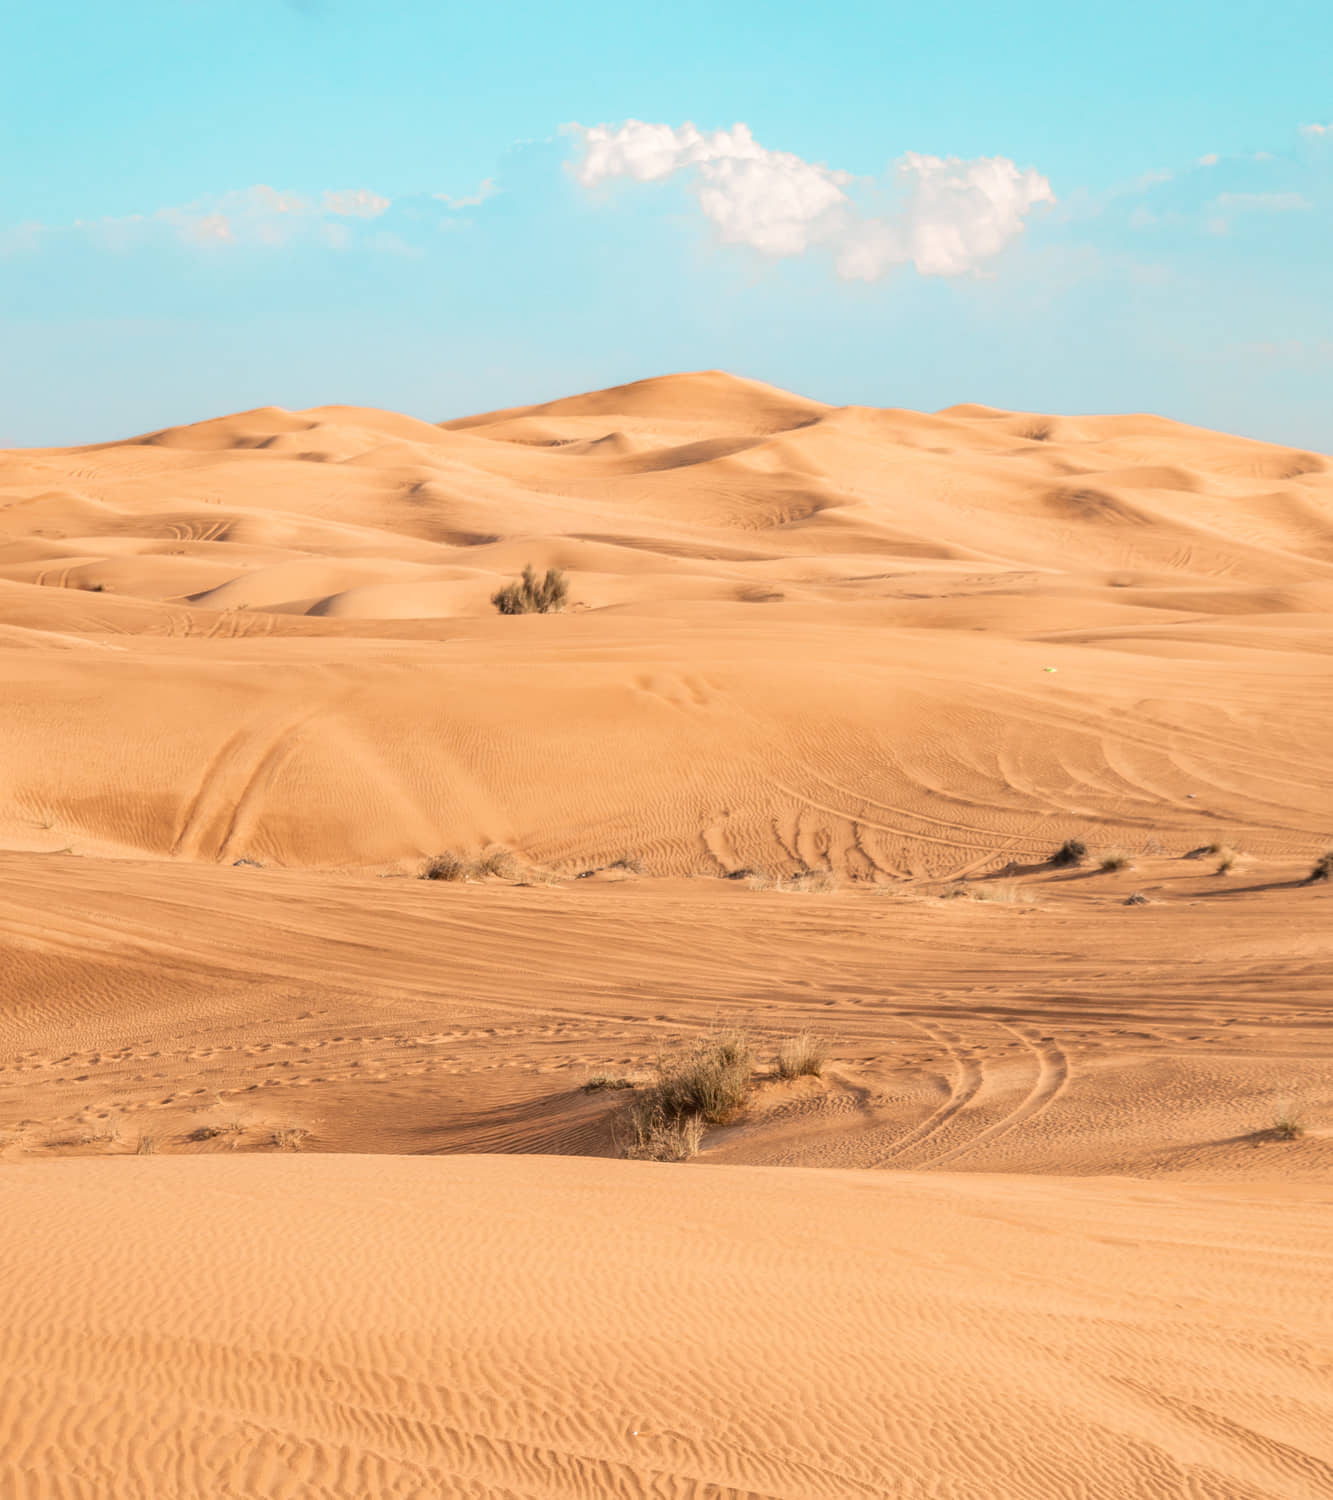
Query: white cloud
{"x": 1317, "y": 130}
{"x": 1211, "y": 160}
{"x": 354, "y": 203}
{"x": 946, "y": 215}
{"x": 485, "y": 189}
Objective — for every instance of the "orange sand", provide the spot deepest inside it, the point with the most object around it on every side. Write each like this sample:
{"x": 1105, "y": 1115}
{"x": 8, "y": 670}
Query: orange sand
{"x": 1076, "y": 1259}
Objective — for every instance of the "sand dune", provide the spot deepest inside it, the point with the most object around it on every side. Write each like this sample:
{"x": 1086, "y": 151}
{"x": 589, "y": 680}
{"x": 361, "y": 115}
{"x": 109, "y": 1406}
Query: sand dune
{"x": 1058, "y": 1247}
{"x": 799, "y": 634}
{"x": 517, "y": 1327}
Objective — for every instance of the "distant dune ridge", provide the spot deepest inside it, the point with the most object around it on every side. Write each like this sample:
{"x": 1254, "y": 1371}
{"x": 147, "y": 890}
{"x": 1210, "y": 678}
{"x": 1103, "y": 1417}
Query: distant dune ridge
{"x": 310, "y": 1177}
{"x": 798, "y": 634}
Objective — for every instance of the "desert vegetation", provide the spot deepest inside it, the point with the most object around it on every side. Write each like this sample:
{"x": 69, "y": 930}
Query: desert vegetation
{"x": 1071, "y": 852}
{"x": 532, "y": 595}
{"x": 1323, "y": 867}
{"x": 1110, "y": 860}
{"x": 801, "y": 1056}
{"x": 701, "y": 1083}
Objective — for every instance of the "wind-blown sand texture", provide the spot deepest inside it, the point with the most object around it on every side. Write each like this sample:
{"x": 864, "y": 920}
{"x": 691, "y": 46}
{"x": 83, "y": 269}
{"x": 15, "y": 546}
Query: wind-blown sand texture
{"x": 1077, "y": 1258}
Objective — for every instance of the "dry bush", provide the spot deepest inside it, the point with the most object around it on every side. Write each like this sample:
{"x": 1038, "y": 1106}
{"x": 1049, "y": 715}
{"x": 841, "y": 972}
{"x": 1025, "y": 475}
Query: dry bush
{"x": 496, "y": 860}
{"x": 1137, "y": 898}
{"x": 757, "y": 880}
{"x": 1114, "y": 859}
{"x": 810, "y": 882}
{"x": 1228, "y": 859}
{"x": 595, "y": 1083}
{"x": 656, "y": 1136}
{"x": 630, "y": 863}
{"x": 289, "y": 1137}
{"x": 709, "y": 1078}
{"x": 446, "y": 866}
{"x": 147, "y": 1146}
{"x": 532, "y": 595}
{"x": 1323, "y": 867}
{"x": 1287, "y": 1125}
{"x": 801, "y": 1056}
{"x": 1071, "y": 852}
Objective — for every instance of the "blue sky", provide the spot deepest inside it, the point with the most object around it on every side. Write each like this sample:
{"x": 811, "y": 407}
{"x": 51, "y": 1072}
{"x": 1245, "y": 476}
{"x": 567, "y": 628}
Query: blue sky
{"x": 217, "y": 204}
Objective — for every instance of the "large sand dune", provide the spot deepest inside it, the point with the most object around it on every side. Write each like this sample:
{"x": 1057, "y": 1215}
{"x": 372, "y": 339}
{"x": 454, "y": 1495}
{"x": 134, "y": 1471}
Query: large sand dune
{"x": 252, "y": 676}
{"x": 799, "y": 635}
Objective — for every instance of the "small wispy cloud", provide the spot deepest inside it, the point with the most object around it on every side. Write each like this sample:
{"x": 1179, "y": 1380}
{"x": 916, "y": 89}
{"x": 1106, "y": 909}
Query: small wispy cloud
{"x": 485, "y": 189}
{"x": 1317, "y": 130}
{"x": 943, "y": 215}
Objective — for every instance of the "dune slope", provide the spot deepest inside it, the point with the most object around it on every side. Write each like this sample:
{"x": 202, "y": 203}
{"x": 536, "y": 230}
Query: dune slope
{"x": 890, "y": 643}
{"x": 518, "y": 1327}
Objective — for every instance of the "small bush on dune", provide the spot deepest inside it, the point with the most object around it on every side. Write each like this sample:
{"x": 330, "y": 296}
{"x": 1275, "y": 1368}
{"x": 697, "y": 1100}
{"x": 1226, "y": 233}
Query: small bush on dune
{"x": 1113, "y": 859}
{"x": 496, "y": 860}
{"x": 1071, "y": 852}
{"x": 1287, "y": 1125}
{"x": 446, "y": 866}
{"x": 709, "y": 1078}
{"x": 1227, "y": 860}
{"x": 810, "y": 882}
{"x": 801, "y": 1056}
{"x": 596, "y": 1082}
{"x": 656, "y": 1136}
{"x": 532, "y": 595}
{"x": 1323, "y": 867}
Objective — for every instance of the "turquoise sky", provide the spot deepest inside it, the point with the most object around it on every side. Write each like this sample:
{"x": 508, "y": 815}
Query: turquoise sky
{"x": 217, "y": 204}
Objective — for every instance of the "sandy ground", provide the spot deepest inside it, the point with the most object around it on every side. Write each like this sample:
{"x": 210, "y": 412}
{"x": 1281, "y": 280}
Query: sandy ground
{"x": 253, "y": 678}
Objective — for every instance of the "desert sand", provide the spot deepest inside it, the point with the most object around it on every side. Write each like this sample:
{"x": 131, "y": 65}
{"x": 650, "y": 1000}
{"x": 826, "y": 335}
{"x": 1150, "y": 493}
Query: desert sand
{"x": 306, "y": 1194}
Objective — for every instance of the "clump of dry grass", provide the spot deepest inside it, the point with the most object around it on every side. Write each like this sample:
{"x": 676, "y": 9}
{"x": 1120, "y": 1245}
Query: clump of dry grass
{"x": 1287, "y": 1125}
{"x": 1322, "y": 868}
{"x": 709, "y": 1078}
{"x": 801, "y": 1056}
{"x": 446, "y": 866}
{"x": 1110, "y": 860}
{"x": 810, "y": 882}
{"x": 289, "y": 1137}
{"x": 631, "y": 864}
{"x": 1137, "y": 898}
{"x": 147, "y": 1146}
{"x": 1071, "y": 852}
{"x": 212, "y": 1132}
{"x": 655, "y": 1136}
{"x": 532, "y": 595}
{"x": 704, "y": 1082}
{"x": 757, "y": 880}
{"x": 1228, "y": 859}
{"x": 595, "y": 1083}
{"x": 496, "y": 860}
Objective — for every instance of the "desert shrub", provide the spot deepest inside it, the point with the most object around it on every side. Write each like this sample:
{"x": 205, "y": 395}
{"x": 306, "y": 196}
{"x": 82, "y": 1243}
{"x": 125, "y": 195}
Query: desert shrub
{"x": 496, "y": 860}
{"x": 596, "y": 1082}
{"x": 147, "y": 1146}
{"x": 446, "y": 866}
{"x": 1113, "y": 859}
{"x": 1323, "y": 867}
{"x": 630, "y": 863}
{"x": 801, "y": 1056}
{"x": 810, "y": 882}
{"x": 1287, "y": 1125}
{"x": 1137, "y": 898}
{"x": 1071, "y": 852}
{"x": 532, "y": 595}
{"x": 1227, "y": 861}
{"x": 656, "y": 1136}
{"x": 709, "y": 1078}
{"x": 289, "y": 1137}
